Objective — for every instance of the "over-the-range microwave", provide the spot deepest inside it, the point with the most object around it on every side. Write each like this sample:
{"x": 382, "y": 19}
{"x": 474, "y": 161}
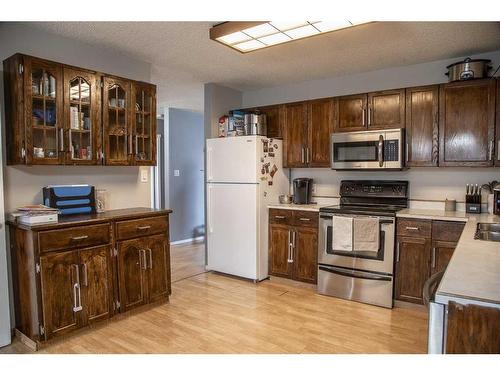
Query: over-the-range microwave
{"x": 373, "y": 150}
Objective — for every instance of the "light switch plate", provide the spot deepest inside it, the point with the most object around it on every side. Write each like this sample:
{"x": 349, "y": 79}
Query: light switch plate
{"x": 177, "y": 173}
{"x": 144, "y": 175}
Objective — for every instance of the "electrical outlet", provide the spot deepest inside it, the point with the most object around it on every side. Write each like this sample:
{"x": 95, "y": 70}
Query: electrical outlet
{"x": 177, "y": 173}
{"x": 144, "y": 175}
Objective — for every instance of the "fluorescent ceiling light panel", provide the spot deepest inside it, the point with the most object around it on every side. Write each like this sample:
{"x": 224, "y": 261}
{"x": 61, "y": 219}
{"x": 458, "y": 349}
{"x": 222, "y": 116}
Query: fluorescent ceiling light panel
{"x": 302, "y": 32}
{"x": 249, "y": 45}
{"x": 234, "y": 38}
{"x": 275, "y": 39}
{"x": 287, "y": 25}
{"x": 260, "y": 30}
{"x": 325, "y": 26}
{"x": 249, "y": 36}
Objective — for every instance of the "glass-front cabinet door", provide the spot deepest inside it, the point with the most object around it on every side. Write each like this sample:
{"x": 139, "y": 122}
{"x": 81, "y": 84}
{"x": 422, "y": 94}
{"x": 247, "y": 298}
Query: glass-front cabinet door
{"x": 44, "y": 102}
{"x": 81, "y": 116}
{"x": 116, "y": 121}
{"x": 144, "y": 123}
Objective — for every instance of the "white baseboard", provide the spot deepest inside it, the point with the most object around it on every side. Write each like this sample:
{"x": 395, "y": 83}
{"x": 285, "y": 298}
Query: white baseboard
{"x": 188, "y": 240}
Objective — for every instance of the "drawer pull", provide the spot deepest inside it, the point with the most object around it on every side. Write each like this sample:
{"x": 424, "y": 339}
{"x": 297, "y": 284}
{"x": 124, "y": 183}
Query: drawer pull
{"x": 144, "y": 227}
{"x": 79, "y": 238}
{"x": 304, "y": 219}
{"x": 279, "y": 217}
{"x": 412, "y": 228}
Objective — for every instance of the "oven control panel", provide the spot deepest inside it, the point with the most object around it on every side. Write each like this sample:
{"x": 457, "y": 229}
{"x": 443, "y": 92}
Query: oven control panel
{"x": 374, "y": 188}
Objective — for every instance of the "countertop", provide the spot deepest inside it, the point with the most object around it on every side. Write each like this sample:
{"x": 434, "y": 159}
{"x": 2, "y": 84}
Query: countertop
{"x": 473, "y": 274}
{"x": 301, "y": 207}
{"x": 72, "y": 220}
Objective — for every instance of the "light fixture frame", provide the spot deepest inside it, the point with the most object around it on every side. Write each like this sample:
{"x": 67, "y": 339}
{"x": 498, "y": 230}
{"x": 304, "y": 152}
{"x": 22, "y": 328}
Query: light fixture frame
{"x": 229, "y": 27}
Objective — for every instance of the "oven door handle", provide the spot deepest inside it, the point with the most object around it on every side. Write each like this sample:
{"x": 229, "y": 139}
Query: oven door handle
{"x": 354, "y": 274}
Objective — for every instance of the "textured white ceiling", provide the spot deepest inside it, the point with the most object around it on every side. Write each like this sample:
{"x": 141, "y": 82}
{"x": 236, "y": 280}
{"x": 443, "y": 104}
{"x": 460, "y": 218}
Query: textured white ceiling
{"x": 183, "y": 57}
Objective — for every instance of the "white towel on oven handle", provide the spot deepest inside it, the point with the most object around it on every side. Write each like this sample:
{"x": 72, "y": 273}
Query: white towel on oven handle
{"x": 342, "y": 233}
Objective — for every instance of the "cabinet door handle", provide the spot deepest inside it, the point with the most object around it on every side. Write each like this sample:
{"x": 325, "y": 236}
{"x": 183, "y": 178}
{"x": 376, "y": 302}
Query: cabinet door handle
{"x": 85, "y": 275}
{"x": 289, "y": 258}
{"x": 302, "y": 156}
{"x": 412, "y": 228}
{"x": 407, "y": 152}
{"x": 369, "y": 115}
{"x": 150, "y": 258}
{"x": 136, "y": 145}
{"x": 142, "y": 259}
{"x": 77, "y": 297}
{"x": 304, "y": 219}
{"x": 61, "y": 136}
{"x": 79, "y": 238}
{"x": 308, "y": 155}
{"x": 491, "y": 150}
{"x": 433, "y": 265}
{"x": 279, "y": 217}
{"x": 397, "y": 252}
{"x": 364, "y": 116}
{"x": 294, "y": 233}
{"x": 498, "y": 150}
{"x": 144, "y": 227}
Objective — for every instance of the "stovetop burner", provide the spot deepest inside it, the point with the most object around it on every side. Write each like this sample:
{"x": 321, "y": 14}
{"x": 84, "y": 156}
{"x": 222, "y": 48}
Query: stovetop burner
{"x": 369, "y": 197}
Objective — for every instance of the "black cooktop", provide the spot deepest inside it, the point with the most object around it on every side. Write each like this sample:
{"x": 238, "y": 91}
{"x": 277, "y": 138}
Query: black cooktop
{"x": 371, "y": 197}
{"x": 362, "y": 210}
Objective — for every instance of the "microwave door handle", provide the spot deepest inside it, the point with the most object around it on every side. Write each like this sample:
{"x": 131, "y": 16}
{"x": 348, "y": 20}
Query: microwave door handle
{"x": 380, "y": 151}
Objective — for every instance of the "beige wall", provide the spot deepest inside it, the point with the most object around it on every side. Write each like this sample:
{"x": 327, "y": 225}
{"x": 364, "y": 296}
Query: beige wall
{"x": 23, "y": 185}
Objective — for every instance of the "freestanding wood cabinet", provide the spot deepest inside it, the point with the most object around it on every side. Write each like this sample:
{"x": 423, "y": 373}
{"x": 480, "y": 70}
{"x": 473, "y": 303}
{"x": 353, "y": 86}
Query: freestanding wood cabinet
{"x": 293, "y": 244}
{"x": 467, "y": 123}
{"x": 73, "y": 273}
{"x": 58, "y": 114}
{"x": 424, "y": 247}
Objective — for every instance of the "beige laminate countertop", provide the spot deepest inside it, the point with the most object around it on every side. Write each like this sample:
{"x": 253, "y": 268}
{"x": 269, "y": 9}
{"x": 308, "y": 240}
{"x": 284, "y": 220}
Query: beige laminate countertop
{"x": 473, "y": 274}
{"x": 301, "y": 207}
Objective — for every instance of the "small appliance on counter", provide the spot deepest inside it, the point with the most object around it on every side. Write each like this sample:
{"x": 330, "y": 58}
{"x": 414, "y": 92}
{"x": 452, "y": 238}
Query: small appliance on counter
{"x": 302, "y": 190}
{"x": 473, "y": 199}
{"x": 70, "y": 199}
{"x": 255, "y": 123}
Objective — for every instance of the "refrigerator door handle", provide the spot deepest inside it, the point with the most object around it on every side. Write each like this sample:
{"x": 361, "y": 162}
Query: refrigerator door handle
{"x": 209, "y": 164}
{"x": 209, "y": 209}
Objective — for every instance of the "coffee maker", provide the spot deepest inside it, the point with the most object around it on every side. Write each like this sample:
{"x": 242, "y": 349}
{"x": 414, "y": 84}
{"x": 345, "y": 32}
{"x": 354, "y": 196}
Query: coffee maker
{"x": 302, "y": 190}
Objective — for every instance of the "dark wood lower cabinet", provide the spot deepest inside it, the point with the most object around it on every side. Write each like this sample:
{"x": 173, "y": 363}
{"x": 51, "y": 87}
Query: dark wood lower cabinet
{"x": 58, "y": 290}
{"x": 61, "y": 295}
{"x": 472, "y": 329}
{"x": 279, "y": 250}
{"x": 424, "y": 247}
{"x": 412, "y": 268}
{"x": 305, "y": 259}
{"x": 293, "y": 249}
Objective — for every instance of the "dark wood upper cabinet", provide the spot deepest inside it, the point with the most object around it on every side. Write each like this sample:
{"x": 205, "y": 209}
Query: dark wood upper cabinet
{"x": 295, "y": 135}
{"x": 412, "y": 268}
{"x": 274, "y": 119}
{"x": 82, "y": 116}
{"x": 43, "y": 98}
{"x": 58, "y": 114}
{"x": 351, "y": 114}
{"x": 117, "y": 124}
{"x": 467, "y": 123}
{"x": 386, "y": 109}
{"x": 144, "y": 123}
{"x": 422, "y": 111}
{"x": 61, "y": 293}
{"x": 320, "y": 126}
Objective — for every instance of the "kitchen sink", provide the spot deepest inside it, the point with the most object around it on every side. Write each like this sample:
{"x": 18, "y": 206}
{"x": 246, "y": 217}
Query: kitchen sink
{"x": 488, "y": 232}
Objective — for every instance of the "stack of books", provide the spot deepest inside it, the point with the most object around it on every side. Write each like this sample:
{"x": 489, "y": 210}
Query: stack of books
{"x": 35, "y": 214}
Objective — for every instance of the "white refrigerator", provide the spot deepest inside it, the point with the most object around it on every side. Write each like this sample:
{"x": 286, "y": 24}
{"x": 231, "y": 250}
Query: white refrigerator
{"x": 244, "y": 175}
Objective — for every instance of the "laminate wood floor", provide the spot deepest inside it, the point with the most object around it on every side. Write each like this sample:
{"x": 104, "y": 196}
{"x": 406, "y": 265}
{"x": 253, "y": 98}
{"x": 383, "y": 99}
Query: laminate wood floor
{"x": 212, "y": 313}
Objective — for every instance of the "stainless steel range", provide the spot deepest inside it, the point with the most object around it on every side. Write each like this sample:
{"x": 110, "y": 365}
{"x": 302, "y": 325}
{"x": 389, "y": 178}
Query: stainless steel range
{"x": 357, "y": 240}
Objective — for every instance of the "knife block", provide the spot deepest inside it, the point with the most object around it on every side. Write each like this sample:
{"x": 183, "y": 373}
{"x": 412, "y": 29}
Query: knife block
{"x": 473, "y": 203}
